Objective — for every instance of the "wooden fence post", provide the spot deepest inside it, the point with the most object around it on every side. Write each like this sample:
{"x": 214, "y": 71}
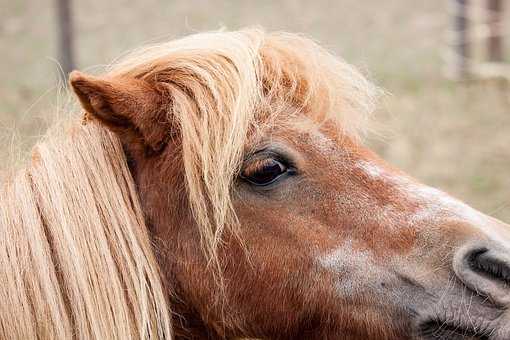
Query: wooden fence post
{"x": 495, "y": 40}
{"x": 460, "y": 67}
{"x": 65, "y": 37}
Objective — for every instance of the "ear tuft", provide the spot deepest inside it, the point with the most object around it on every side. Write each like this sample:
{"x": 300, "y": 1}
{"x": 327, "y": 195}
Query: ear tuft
{"x": 81, "y": 85}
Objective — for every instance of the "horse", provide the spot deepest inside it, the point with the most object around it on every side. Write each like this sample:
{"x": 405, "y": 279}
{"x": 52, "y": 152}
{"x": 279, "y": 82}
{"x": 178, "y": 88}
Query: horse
{"x": 218, "y": 186}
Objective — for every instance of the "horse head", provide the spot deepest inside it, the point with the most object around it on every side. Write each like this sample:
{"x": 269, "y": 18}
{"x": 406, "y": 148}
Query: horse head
{"x": 271, "y": 218}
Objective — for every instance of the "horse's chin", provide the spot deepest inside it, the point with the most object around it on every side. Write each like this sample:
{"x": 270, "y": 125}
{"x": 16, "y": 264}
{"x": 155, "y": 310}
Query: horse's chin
{"x": 466, "y": 320}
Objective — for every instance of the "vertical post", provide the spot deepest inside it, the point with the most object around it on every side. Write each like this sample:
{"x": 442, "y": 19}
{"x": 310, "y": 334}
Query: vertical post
{"x": 495, "y": 40}
{"x": 65, "y": 36}
{"x": 460, "y": 39}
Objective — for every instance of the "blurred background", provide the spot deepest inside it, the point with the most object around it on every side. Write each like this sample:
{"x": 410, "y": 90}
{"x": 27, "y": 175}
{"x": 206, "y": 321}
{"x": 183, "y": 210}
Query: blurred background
{"x": 446, "y": 119}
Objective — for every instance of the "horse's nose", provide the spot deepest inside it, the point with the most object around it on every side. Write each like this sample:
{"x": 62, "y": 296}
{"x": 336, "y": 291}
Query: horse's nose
{"x": 485, "y": 268}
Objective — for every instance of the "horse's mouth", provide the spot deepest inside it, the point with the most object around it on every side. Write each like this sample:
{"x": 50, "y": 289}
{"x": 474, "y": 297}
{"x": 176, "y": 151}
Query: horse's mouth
{"x": 439, "y": 329}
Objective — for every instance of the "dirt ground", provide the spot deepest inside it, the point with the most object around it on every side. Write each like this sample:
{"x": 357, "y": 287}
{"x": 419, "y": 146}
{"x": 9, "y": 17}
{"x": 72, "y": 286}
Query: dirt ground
{"x": 451, "y": 135}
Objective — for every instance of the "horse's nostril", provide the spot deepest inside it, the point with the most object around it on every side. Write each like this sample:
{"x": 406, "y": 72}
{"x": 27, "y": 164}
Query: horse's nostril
{"x": 486, "y": 270}
{"x": 487, "y": 264}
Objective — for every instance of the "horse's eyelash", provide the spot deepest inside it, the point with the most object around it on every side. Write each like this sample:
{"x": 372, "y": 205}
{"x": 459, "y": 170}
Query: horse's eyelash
{"x": 267, "y": 153}
{"x": 257, "y": 165}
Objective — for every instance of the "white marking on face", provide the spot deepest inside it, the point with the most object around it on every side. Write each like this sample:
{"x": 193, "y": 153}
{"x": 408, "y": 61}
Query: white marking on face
{"x": 440, "y": 204}
{"x": 323, "y": 143}
{"x": 345, "y": 262}
{"x": 434, "y": 205}
{"x": 372, "y": 170}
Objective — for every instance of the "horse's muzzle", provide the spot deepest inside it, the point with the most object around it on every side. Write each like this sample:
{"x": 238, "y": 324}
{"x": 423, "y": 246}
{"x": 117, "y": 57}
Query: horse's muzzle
{"x": 484, "y": 268}
{"x": 476, "y": 304}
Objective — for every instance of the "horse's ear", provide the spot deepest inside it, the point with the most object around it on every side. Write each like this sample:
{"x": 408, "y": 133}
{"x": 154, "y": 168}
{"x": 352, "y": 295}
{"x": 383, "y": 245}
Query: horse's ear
{"x": 130, "y": 107}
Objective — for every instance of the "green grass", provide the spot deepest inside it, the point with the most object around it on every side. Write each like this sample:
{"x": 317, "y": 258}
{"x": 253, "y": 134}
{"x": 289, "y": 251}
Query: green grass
{"x": 452, "y": 135}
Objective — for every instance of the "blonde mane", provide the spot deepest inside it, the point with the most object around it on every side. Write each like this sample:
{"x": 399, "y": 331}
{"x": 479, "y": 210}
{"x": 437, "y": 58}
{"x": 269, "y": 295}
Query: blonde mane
{"x": 76, "y": 257}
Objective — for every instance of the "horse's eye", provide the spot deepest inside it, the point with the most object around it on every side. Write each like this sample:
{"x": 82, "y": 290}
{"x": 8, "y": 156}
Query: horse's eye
{"x": 264, "y": 172}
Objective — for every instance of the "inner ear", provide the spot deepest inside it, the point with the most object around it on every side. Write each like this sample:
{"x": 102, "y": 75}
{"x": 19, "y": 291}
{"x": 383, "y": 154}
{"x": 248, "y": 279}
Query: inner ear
{"x": 102, "y": 110}
{"x": 132, "y": 108}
